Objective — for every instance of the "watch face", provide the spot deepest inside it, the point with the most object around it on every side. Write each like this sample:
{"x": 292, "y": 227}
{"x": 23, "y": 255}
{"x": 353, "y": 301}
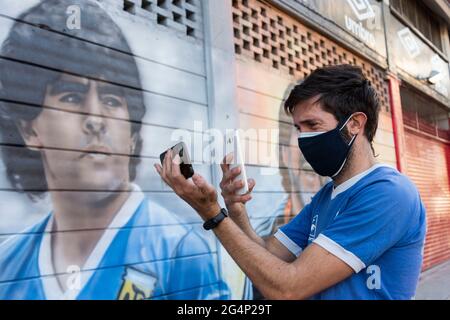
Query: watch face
{"x": 208, "y": 225}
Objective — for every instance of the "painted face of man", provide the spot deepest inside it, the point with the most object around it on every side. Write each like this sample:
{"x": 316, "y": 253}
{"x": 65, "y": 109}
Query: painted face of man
{"x": 83, "y": 134}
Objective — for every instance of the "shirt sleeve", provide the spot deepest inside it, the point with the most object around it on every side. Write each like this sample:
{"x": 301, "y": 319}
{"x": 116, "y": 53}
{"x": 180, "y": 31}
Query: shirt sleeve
{"x": 294, "y": 235}
{"x": 375, "y": 219}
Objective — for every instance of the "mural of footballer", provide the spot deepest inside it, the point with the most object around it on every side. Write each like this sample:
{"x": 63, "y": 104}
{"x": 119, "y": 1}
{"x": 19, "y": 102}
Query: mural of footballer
{"x": 73, "y": 129}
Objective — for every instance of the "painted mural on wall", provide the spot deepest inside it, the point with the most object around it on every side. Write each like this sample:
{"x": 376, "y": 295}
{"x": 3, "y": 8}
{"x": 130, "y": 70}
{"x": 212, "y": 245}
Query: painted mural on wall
{"x": 71, "y": 124}
{"x": 87, "y": 104}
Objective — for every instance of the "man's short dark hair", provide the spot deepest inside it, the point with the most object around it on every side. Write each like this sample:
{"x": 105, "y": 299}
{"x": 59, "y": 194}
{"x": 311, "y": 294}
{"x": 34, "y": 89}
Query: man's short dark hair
{"x": 341, "y": 90}
{"x": 37, "y": 52}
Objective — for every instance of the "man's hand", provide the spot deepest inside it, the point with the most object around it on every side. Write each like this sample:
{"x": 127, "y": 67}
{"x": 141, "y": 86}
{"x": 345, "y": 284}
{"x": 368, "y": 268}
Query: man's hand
{"x": 199, "y": 194}
{"x": 235, "y": 203}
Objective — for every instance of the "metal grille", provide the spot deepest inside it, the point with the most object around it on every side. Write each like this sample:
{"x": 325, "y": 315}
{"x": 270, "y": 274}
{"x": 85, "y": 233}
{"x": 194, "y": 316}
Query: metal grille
{"x": 427, "y": 166}
{"x": 184, "y": 16}
{"x": 421, "y": 113}
{"x": 267, "y": 35}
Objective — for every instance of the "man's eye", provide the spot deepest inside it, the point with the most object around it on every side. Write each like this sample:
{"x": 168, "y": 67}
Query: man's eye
{"x": 72, "y": 98}
{"x": 112, "y": 102}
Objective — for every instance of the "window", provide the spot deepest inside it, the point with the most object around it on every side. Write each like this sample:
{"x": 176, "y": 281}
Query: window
{"x": 421, "y": 17}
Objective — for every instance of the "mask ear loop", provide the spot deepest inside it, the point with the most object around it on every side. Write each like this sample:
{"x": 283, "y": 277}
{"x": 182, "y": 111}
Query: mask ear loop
{"x": 354, "y": 137}
{"x": 342, "y": 166}
{"x": 350, "y": 144}
{"x": 346, "y": 122}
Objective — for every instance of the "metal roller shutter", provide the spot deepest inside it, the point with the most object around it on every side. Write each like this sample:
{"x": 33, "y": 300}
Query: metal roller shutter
{"x": 428, "y": 161}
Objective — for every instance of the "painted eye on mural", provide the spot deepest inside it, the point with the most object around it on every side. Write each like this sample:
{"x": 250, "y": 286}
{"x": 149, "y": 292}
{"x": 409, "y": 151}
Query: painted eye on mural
{"x": 72, "y": 98}
{"x": 112, "y": 101}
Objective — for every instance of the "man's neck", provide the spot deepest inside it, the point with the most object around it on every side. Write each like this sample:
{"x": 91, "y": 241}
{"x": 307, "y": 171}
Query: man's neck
{"x": 356, "y": 164}
{"x": 86, "y": 210}
{"x": 79, "y": 225}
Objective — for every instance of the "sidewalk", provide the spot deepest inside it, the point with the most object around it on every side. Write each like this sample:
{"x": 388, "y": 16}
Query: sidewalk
{"x": 434, "y": 284}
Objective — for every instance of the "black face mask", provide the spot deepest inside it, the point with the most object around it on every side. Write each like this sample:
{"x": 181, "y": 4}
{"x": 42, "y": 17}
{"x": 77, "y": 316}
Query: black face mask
{"x": 326, "y": 152}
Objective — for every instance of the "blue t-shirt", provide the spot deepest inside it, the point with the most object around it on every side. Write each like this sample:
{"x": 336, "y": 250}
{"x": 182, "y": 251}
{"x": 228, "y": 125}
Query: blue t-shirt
{"x": 375, "y": 222}
{"x": 151, "y": 255}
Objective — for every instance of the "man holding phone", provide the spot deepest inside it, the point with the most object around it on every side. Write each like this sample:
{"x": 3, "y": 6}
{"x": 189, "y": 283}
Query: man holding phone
{"x": 362, "y": 235}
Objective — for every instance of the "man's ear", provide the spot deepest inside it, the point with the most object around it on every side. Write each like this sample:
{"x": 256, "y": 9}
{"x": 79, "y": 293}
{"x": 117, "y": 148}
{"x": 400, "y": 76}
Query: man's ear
{"x": 29, "y": 135}
{"x": 357, "y": 123}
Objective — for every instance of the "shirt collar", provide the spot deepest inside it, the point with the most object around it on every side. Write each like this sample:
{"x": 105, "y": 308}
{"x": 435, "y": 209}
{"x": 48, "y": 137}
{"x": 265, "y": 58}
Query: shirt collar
{"x": 353, "y": 180}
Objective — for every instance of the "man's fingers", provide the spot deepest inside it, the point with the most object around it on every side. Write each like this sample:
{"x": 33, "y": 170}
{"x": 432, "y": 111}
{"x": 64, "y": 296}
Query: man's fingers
{"x": 242, "y": 199}
{"x": 230, "y": 175}
{"x": 176, "y": 166}
{"x": 179, "y": 182}
{"x": 158, "y": 169}
{"x": 161, "y": 173}
{"x": 229, "y": 191}
{"x": 200, "y": 182}
{"x": 167, "y": 162}
{"x": 251, "y": 185}
{"x": 233, "y": 187}
{"x": 225, "y": 165}
{"x": 203, "y": 185}
{"x": 245, "y": 198}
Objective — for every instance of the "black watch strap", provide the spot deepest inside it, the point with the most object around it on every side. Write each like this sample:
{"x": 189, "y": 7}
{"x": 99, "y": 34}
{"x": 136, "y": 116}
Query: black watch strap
{"x": 214, "y": 222}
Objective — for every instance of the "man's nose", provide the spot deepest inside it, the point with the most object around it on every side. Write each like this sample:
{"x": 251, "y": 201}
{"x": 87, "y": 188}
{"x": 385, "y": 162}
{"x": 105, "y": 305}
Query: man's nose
{"x": 94, "y": 122}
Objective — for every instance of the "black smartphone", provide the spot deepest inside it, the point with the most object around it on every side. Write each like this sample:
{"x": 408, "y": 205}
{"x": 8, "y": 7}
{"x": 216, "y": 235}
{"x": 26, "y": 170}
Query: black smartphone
{"x": 185, "y": 166}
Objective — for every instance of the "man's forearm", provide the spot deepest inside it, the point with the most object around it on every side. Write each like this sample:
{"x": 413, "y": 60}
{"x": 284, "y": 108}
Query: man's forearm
{"x": 266, "y": 271}
{"x": 242, "y": 221}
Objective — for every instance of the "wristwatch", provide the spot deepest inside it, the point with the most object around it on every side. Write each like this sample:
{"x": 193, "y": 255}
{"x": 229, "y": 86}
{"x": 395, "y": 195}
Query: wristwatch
{"x": 214, "y": 222}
